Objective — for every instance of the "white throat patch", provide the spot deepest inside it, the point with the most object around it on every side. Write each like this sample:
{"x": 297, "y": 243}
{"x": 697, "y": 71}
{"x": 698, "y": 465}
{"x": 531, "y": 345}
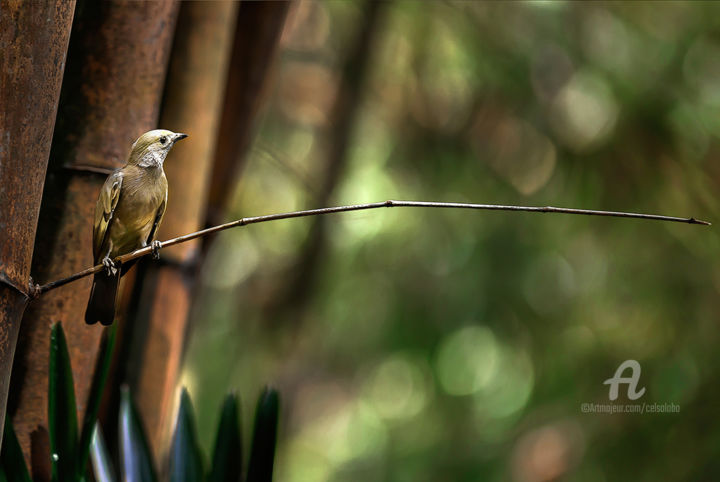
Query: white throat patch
{"x": 153, "y": 158}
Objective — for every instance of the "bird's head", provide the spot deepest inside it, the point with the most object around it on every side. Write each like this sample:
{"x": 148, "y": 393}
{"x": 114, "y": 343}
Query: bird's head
{"x": 151, "y": 148}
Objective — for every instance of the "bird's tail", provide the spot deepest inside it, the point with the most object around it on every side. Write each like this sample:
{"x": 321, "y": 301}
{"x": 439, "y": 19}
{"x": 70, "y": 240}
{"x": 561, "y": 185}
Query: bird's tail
{"x": 101, "y": 306}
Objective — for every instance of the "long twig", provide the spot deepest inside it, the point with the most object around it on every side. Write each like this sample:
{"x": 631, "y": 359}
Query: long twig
{"x": 37, "y": 290}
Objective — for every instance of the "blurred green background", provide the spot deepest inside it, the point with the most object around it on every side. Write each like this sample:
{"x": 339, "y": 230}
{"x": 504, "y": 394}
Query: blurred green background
{"x": 440, "y": 345}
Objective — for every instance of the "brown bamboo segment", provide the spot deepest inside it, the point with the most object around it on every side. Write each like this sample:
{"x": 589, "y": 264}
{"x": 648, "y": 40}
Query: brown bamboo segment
{"x": 33, "y": 47}
{"x": 110, "y": 95}
{"x": 194, "y": 94}
{"x": 293, "y": 296}
{"x": 257, "y": 36}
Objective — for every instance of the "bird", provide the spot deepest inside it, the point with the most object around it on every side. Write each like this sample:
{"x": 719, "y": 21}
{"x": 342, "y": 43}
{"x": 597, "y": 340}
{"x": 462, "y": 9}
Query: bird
{"x": 129, "y": 210}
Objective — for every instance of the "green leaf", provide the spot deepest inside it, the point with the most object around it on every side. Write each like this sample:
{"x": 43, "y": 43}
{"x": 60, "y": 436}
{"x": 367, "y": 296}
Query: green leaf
{"x": 135, "y": 458}
{"x": 262, "y": 454}
{"x": 102, "y": 367}
{"x": 185, "y": 458}
{"x": 62, "y": 411}
{"x": 227, "y": 457}
{"x": 102, "y": 466}
{"x": 12, "y": 461}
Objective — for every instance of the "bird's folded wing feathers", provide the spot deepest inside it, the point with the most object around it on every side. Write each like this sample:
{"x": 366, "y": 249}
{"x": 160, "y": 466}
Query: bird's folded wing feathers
{"x": 104, "y": 212}
{"x": 158, "y": 219}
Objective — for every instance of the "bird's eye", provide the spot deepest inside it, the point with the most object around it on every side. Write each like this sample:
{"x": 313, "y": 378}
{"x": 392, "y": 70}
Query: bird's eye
{"x": 163, "y": 140}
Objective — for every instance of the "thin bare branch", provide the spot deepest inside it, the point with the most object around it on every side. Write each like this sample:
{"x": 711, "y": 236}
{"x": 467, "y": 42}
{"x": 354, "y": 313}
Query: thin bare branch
{"x": 37, "y": 290}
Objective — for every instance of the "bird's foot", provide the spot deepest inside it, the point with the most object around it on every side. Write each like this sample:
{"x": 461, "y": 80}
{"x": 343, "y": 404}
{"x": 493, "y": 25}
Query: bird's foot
{"x": 156, "y": 247}
{"x": 110, "y": 267}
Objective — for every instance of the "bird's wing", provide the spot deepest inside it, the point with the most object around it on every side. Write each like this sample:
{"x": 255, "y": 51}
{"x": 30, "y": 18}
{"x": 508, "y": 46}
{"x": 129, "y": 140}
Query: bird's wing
{"x": 158, "y": 219}
{"x": 105, "y": 212}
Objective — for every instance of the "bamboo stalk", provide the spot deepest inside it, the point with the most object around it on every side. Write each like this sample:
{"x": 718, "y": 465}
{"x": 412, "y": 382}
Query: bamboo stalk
{"x": 257, "y": 36}
{"x": 110, "y": 95}
{"x": 33, "y": 47}
{"x": 193, "y": 103}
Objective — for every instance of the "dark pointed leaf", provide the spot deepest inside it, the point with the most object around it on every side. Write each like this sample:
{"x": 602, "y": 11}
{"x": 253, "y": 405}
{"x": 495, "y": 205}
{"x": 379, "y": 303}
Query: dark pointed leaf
{"x": 262, "y": 452}
{"x": 12, "y": 461}
{"x": 185, "y": 458}
{"x": 62, "y": 411}
{"x": 227, "y": 457}
{"x": 102, "y": 367}
{"x": 135, "y": 458}
{"x": 102, "y": 465}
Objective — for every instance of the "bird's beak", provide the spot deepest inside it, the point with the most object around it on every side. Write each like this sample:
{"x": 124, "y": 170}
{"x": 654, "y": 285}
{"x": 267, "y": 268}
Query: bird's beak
{"x": 179, "y": 136}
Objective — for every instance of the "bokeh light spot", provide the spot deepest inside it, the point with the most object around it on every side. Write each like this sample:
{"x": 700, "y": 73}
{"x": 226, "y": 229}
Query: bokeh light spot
{"x": 509, "y": 389}
{"x": 702, "y": 69}
{"x": 396, "y": 388}
{"x": 466, "y": 360}
{"x": 606, "y": 41}
{"x": 300, "y": 463}
{"x": 585, "y": 111}
{"x": 231, "y": 261}
{"x": 548, "y": 453}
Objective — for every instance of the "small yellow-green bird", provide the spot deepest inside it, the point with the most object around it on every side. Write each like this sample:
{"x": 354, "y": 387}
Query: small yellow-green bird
{"x": 127, "y": 215}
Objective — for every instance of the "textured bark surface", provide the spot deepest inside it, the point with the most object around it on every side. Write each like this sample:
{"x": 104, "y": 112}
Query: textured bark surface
{"x": 33, "y": 46}
{"x": 257, "y": 36}
{"x": 193, "y": 96}
{"x": 111, "y": 94}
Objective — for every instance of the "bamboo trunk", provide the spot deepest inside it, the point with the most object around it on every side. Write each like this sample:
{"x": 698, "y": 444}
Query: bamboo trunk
{"x": 257, "y": 36}
{"x": 192, "y": 105}
{"x": 290, "y": 304}
{"x": 201, "y": 86}
{"x": 33, "y": 46}
{"x": 111, "y": 95}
